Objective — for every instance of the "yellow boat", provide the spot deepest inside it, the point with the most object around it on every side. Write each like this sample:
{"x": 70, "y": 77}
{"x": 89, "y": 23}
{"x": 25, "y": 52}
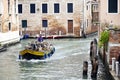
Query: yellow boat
{"x": 29, "y": 54}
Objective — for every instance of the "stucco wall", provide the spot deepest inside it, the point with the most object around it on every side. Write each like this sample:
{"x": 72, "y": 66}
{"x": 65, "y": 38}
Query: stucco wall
{"x": 54, "y": 19}
{"x": 108, "y": 17}
{"x": 10, "y": 16}
{"x": 9, "y": 34}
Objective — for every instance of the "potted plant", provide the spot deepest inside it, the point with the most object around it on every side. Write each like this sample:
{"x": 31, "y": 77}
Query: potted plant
{"x": 103, "y": 42}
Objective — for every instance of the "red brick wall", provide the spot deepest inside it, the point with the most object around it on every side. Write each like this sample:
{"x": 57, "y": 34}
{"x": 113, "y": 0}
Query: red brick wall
{"x": 114, "y": 52}
{"x": 114, "y": 36}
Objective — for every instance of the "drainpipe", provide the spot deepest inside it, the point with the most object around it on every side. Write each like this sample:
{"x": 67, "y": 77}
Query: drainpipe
{"x": 83, "y": 29}
{"x": 0, "y": 22}
{"x": 45, "y": 33}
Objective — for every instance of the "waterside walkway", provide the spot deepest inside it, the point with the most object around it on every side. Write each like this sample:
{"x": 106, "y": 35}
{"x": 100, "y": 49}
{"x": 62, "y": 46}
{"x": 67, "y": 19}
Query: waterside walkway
{"x": 114, "y": 75}
{"x": 103, "y": 74}
{"x": 110, "y": 74}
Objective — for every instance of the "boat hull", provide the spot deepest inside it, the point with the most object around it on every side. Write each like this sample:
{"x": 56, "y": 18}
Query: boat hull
{"x": 30, "y": 54}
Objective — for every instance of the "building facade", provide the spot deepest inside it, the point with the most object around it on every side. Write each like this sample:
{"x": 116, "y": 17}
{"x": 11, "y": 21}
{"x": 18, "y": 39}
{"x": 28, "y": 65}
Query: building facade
{"x": 50, "y": 17}
{"x": 109, "y": 19}
{"x": 109, "y": 12}
{"x": 91, "y": 16}
{"x": 9, "y": 24}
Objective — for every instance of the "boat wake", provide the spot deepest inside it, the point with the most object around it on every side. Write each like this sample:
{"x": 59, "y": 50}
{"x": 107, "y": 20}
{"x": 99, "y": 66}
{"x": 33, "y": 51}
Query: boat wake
{"x": 32, "y": 60}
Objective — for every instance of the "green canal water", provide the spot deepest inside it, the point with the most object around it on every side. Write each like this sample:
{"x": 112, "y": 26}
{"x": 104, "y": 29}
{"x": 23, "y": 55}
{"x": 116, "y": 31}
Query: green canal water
{"x": 65, "y": 64}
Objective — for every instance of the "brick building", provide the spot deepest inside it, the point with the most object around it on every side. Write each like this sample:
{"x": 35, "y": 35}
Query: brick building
{"x": 50, "y": 17}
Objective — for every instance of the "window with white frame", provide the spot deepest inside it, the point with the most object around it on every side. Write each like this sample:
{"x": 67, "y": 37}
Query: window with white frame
{"x": 44, "y": 23}
{"x": 32, "y": 8}
{"x": 1, "y": 7}
{"x": 56, "y": 8}
{"x": 19, "y": 8}
{"x": 44, "y": 8}
{"x": 112, "y": 6}
{"x": 24, "y": 23}
{"x": 8, "y": 6}
{"x": 70, "y": 7}
{"x": 15, "y": 6}
{"x": 95, "y": 7}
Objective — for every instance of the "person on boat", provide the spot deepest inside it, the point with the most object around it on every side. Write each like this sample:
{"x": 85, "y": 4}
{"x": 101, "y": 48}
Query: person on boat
{"x": 41, "y": 49}
{"x": 33, "y": 45}
{"x": 51, "y": 47}
{"x": 28, "y": 46}
{"x": 40, "y": 38}
{"x": 37, "y": 45}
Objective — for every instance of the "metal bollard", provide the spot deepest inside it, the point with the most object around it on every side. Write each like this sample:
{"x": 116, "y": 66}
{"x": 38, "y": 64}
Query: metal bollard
{"x": 117, "y": 68}
{"x": 113, "y": 63}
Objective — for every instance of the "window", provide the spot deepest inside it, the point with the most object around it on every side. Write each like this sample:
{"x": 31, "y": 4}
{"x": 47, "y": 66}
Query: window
{"x": 15, "y": 5}
{"x": 8, "y": 6}
{"x": 94, "y": 7}
{"x": 19, "y": 8}
{"x": 44, "y": 8}
{"x": 56, "y": 8}
{"x": 44, "y": 23}
{"x": 24, "y": 23}
{"x": 87, "y": 7}
{"x": 1, "y": 7}
{"x": 70, "y": 7}
{"x": 32, "y": 8}
{"x": 112, "y": 6}
{"x": 9, "y": 26}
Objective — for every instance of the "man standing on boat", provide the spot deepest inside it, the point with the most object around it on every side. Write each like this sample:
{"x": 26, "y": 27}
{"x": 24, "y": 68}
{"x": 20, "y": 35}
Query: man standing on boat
{"x": 40, "y": 38}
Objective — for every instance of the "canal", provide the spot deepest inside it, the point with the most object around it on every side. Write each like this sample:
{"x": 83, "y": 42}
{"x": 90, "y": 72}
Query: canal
{"x": 65, "y": 64}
